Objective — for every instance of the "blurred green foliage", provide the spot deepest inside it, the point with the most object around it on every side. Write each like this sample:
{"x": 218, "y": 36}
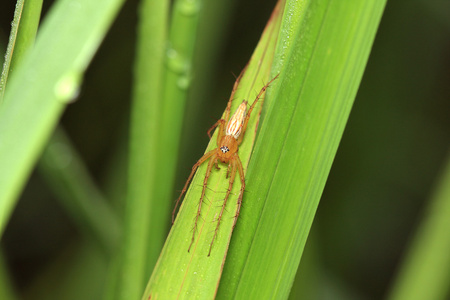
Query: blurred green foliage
{"x": 391, "y": 155}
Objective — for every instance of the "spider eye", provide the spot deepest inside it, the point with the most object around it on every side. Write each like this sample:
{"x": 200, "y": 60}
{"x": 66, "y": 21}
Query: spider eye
{"x": 224, "y": 149}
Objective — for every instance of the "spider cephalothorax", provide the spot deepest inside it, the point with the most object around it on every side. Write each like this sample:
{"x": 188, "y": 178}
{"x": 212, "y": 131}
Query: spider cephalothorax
{"x": 228, "y": 140}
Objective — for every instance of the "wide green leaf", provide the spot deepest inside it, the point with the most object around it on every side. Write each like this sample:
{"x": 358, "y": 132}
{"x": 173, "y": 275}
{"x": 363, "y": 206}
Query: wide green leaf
{"x": 41, "y": 86}
{"x": 196, "y": 274}
{"x": 322, "y": 52}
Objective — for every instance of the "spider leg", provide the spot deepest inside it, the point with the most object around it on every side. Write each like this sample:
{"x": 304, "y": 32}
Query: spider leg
{"x": 194, "y": 168}
{"x": 205, "y": 182}
{"x": 230, "y": 186}
{"x": 247, "y": 117}
{"x": 219, "y": 123}
{"x": 235, "y": 86}
{"x": 241, "y": 193}
{"x": 229, "y": 171}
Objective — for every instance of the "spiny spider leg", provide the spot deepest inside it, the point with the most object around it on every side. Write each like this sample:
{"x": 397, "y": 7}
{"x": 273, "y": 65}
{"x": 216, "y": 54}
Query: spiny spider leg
{"x": 235, "y": 86}
{"x": 219, "y": 123}
{"x": 241, "y": 193}
{"x": 247, "y": 117}
{"x": 205, "y": 182}
{"x": 194, "y": 168}
{"x": 222, "y": 122}
{"x": 228, "y": 171}
{"x": 230, "y": 186}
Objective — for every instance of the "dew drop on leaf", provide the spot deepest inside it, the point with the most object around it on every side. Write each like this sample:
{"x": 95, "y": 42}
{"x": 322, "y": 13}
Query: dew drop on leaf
{"x": 67, "y": 88}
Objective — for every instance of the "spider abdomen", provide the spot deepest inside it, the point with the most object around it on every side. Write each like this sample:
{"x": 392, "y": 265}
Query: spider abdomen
{"x": 236, "y": 122}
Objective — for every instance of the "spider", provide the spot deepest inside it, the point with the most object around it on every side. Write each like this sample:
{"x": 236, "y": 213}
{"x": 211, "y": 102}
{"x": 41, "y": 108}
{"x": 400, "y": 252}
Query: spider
{"x": 230, "y": 136}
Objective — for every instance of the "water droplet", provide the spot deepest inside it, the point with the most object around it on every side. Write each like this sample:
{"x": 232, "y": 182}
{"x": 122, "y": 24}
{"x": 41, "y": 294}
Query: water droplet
{"x": 176, "y": 62}
{"x": 67, "y": 88}
{"x": 189, "y": 7}
{"x": 184, "y": 82}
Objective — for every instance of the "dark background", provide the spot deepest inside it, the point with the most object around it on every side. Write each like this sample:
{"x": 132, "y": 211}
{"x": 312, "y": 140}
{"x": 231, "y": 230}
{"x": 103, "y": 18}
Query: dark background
{"x": 387, "y": 165}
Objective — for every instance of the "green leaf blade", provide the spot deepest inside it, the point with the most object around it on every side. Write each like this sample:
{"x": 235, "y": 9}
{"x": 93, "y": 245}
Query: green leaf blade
{"x": 185, "y": 275}
{"x": 45, "y": 81}
{"x": 144, "y": 213}
{"x": 424, "y": 272}
{"x": 320, "y": 73}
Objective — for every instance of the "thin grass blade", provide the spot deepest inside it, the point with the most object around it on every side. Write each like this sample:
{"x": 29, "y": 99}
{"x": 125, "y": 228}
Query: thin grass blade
{"x": 425, "y": 273}
{"x": 23, "y": 32}
{"x": 66, "y": 174}
{"x": 144, "y": 232}
{"x": 6, "y": 286}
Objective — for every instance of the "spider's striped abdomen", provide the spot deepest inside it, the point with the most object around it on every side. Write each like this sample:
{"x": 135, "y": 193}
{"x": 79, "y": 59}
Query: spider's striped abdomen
{"x": 236, "y": 122}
